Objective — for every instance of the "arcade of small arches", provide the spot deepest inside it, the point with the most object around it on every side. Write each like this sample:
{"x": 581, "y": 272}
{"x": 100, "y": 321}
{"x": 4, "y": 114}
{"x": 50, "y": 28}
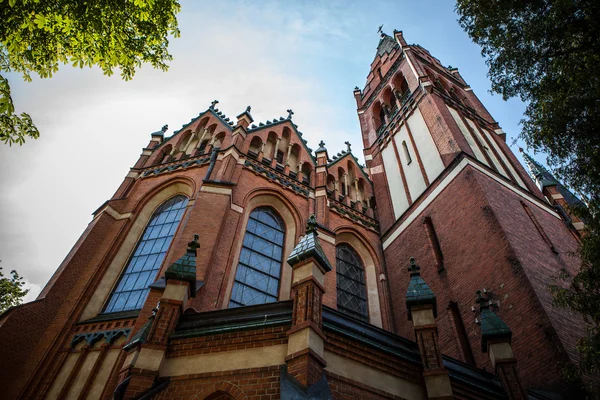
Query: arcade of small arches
{"x": 446, "y": 88}
{"x": 281, "y": 154}
{"x": 344, "y": 184}
{"x": 393, "y": 96}
{"x": 192, "y": 143}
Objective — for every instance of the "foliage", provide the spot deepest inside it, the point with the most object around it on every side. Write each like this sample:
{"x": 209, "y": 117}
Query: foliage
{"x": 546, "y": 52}
{"x": 582, "y": 294}
{"x": 11, "y": 290}
{"x": 39, "y": 35}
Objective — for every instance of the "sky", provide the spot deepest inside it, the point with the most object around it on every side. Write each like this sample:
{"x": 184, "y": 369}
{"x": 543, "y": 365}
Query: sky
{"x": 303, "y": 55}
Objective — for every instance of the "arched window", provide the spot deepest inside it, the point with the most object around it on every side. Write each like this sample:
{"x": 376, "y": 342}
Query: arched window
{"x": 351, "y": 287}
{"x": 259, "y": 268}
{"x": 144, "y": 264}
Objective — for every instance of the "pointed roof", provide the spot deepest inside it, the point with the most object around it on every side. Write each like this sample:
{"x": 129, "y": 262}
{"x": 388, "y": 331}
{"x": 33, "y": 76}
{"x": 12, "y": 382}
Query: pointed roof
{"x": 321, "y": 147}
{"x": 246, "y": 113}
{"x": 184, "y": 269}
{"x": 418, "y": 292}
{"x": 162, "y": 131}
{"x": 309, "y": 247}
{"x": 537, "y": 171}
{"x": 492, "y": 326}
{"x": 140, "y": 336}
{"x": 386, "y": 45}
{"x": 544, "y": 178}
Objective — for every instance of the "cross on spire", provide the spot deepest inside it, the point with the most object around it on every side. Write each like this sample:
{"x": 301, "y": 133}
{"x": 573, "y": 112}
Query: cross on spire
{"x": 413, "y": 268}
{"x": 290, "y": 113}
{"x": 214, "y": 103}
{"x": 311, "y": 224}
{"x": 349, "y": 145}
{"x": 193, "y": 245}
{"x": 380, "y": 30}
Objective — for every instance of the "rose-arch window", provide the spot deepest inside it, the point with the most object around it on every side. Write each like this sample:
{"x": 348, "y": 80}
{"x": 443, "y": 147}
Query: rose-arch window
{"x": 145, "y": 262}
{"x": 351, "y": 288}
{"x": 259, "y": 268}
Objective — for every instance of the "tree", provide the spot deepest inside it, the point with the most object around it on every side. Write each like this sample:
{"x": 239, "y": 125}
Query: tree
{"x": 546, "y": 52}
{"x": 37, "y": 36}
{"x": 11, "y": 290}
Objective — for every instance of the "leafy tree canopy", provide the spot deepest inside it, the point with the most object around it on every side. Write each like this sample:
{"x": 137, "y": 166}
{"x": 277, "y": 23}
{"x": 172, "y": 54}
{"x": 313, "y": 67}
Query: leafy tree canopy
{"x": 547, "y": 53}
{"x": 37, "y": 36}
{"x": 11, "y": 290}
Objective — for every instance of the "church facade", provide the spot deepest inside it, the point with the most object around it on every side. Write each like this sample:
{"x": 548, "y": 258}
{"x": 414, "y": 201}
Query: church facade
{"x": 234, "y": 262}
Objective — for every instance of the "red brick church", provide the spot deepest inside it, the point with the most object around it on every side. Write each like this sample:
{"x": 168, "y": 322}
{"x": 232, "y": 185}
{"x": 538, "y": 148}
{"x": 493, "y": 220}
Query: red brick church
{"x": 234, "y": 262}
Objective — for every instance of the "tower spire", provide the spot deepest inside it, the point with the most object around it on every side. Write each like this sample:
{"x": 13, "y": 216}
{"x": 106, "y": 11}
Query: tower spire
{"x": 538, "y": 172}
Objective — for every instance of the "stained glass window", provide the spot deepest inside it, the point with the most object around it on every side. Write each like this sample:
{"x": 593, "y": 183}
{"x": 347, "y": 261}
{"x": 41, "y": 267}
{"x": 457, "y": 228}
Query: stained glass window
{"x": 144, "y": 264}
{"x": 259, "y": 268}
{"x": 351, "y": 288}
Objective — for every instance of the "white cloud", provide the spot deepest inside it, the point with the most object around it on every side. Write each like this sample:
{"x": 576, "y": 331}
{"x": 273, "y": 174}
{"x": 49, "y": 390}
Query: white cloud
{"x": 307, "y": 56}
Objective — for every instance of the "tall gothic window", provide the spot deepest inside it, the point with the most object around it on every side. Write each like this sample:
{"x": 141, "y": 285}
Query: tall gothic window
{"x": 144, "y": 264}
{"x": 259, "y": 268}
{"x": 351, "y": 288}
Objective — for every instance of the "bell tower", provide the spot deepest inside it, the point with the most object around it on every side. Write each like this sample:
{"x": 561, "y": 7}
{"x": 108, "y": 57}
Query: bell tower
{"x": 450, "y": 193}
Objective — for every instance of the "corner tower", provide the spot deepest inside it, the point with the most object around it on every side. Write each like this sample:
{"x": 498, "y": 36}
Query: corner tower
{"x": 450, "y": 192}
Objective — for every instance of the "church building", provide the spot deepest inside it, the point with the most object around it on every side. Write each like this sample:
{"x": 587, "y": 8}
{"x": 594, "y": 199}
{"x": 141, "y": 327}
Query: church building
{"x": 234, "y": 262}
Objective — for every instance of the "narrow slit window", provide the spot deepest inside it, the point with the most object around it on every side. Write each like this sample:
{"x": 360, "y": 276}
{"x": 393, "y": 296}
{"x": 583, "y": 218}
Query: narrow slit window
{"x": 435, "y": 242}
{"x": 406, "y": 152}
{"x": 461, "y": 332}
{"x": 538, "y": 227}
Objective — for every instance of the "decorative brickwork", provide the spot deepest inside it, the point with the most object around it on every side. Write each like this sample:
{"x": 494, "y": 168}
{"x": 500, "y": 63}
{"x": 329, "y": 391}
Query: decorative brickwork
{"x": 487, "y": 225}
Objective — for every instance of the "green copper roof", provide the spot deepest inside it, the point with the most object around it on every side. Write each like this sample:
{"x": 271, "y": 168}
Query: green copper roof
{"x": 309, "y": 247}
{"x": 140, "y": 336}
{"x": 184, "y": 269}
{"x": 321, "y": 147}
{"x": 492, "y": 326}
{"x": 418, "y": 292}
{"x": 537, "y": 171}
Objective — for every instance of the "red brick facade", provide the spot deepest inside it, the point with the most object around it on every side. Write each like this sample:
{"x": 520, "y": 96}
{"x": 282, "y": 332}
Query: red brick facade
{"x": 480, "y": 223}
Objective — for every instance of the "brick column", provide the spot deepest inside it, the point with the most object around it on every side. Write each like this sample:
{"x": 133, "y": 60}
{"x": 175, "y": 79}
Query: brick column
{"x": 306, "y": 339}
{"x": 321, "y": 208}
{"x": 495, "y": 340}
{"x": 422, "y": 310}
{"x": 146, "y": 350}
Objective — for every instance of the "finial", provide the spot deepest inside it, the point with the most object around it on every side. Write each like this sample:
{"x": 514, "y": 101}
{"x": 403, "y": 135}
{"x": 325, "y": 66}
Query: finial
{"x": 356, "y": 88}
{"x": 213, "y": 104}
{"x": 480, "y": 299}
{"x": 311, "y": 224}
{"x": 193, "y": 245}
{"x": 380, "y": 30}
{"x": 164, "y": 128}
{"x": 290, "y": 113}
{"x": 321, "y": 147}
{"x": 413, "y": 268}
{"x": 349, "y": 145}
{"x": 248, "y": 109}
{"x": 521, "y": 150}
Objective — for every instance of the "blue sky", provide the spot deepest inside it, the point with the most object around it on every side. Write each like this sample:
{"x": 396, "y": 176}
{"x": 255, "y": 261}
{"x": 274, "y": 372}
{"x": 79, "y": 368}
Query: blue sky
{"x": 304, "y": 55}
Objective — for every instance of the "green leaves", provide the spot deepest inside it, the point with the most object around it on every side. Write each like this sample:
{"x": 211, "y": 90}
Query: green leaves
{"x": 39, "y": 35}
{"x": 13, "y": 128}
{"x": 547, "y": 53}
{"x": 11, "y": 290}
